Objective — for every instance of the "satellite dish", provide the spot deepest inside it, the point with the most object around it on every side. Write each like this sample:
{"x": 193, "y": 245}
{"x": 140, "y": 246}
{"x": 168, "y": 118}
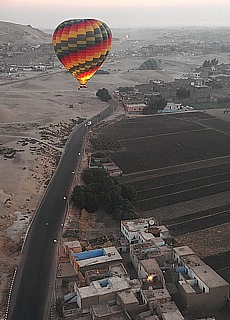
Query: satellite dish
{"x": 151, "y": 222}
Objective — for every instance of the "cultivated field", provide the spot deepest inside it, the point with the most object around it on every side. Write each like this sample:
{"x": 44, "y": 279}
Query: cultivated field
{"x": 180, "y": 166}
{"x": 165, "y": 140}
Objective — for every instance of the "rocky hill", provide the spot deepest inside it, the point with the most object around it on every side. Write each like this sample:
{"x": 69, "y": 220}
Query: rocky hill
{"x": 16, "y": 34}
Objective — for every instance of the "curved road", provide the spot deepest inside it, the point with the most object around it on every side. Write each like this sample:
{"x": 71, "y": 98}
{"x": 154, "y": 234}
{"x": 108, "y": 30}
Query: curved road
{"x": 34, "y": 283}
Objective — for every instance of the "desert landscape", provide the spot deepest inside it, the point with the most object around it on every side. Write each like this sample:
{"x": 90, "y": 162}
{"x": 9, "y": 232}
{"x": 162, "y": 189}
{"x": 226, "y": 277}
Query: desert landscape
{"x": 38, "y": 111}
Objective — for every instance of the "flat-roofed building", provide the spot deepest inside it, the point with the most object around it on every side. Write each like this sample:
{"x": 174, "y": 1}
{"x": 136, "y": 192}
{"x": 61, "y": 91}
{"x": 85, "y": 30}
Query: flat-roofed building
{"x": 161, "y": 304}
{"x": 74, "y": 246}
{"x": 103, "y": 290}
{"x": 131, "y": 230}
{"x": 200, "y": 287}
{"x": 131, "y": 301}
{"x": 169, "y": 311}
{"x": 149, "y": 250}
{"x": 116, "y": 269}
{"x": 135, "y": 108}
{"x": 156, "y": 296}
{"x": 98, "y": 258}
{"x": 150, "y": 273}
{"x": 108, "y": 312}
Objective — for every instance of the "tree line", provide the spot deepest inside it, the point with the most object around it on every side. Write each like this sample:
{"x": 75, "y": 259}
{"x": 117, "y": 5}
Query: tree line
{"x": 101, "y": 191}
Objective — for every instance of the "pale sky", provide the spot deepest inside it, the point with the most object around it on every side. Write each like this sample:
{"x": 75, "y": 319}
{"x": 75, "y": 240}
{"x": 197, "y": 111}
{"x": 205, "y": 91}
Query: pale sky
{"x": 118, "y": 13}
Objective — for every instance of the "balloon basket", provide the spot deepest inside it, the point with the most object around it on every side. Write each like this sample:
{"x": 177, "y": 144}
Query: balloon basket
{"x": 82, "y": 86}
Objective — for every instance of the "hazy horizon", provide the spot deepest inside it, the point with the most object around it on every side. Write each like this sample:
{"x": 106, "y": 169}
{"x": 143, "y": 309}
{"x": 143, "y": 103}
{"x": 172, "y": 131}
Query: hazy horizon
{"x": 118, "y": 14}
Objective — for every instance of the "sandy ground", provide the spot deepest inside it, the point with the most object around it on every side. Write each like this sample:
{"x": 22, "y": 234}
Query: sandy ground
{"x": 48, "y": 104}
{"x": 28, "y": 109}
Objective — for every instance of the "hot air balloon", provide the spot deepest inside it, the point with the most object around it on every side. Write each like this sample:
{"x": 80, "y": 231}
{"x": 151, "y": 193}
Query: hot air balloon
{"x": 82, "y": 45}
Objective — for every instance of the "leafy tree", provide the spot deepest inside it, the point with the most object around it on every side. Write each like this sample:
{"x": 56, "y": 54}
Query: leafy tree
{"x": 78, "y": 196}
{"x": 87, "y": 197}
{"x": 154, "y": 104}
{"x": 124, "y": 210}
{"x": 206, "y": 64}
{"x": 128, "y": 192}
{"x": 103, "y": 94}
{"x": 104, "y": 192}
{"x": 94, "y": 175}
{"x": 214, "y": 62}
{"x": 160, "y": 103}
{"x": 111, "y": 197}
{"x": 91, "y": 199}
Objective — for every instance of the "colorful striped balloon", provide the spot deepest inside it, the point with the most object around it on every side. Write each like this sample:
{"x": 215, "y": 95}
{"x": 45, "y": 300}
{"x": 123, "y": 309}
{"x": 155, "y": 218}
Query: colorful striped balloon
{"x": 82, "y": 45}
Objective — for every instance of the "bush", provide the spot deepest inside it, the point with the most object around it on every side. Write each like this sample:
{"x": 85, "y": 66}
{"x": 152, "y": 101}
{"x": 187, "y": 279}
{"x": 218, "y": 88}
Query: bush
{"x": 103, "y": 94}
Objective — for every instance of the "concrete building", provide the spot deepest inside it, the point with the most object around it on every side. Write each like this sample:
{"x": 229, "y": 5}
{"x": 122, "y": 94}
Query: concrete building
{"x": 172, "y": 106}
{"x": 108, "y": 312}
{"x": 161, "y": 304}
{"x": 132, "y": 302}
{"x": 164, "y": 273}
{"x": 169, "y": 311}
{"x": 104, "y": 290}
{"x": 116, "y": 269}
{"x": 151, "y": 274}
{"x": 199, "y": 286}
{"x": 156, "y": 296}
{"x": 133, "y": 230}
{"x": 149, "y": 250}
{"x": 74, "y": 246}
{"x": 98, "y": 258}
{"x": 135, "y": 108}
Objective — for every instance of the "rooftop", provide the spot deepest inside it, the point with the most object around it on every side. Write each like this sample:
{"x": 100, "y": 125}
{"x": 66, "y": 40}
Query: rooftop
{"x": 150, "y": 266}
{"x": 207, "y": 274}
{"x": 170, "y": 311}
{"x": 146, "y": 235}
{"x": 146, "y": 250}
{"x": 72, "y": 244}
{"x": 128, "y": 297}
{"x": 104, "y": 310}
{"x": 157, "y": 294}
{"x": 118, "y": 269}
{"x": 203, "y": 271}
{"x": 183, "y": 251}
{"x": 104, "y": 286}
{"x": 97, "y": 256}
{"x": 138, "y": 224}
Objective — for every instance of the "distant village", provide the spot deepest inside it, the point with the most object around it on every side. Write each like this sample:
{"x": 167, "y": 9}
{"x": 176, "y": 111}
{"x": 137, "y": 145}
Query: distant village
{"x": 205, "y": 85}
{"x": 17, "y": 61}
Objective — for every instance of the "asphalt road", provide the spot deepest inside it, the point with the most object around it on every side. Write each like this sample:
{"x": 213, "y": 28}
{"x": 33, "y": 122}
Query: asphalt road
{"x": 34, "y": 280}
{"x": 34, "y": 283}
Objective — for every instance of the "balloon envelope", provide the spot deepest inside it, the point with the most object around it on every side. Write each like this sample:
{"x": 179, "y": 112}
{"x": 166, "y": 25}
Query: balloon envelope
{"x": 82, "y": 45}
